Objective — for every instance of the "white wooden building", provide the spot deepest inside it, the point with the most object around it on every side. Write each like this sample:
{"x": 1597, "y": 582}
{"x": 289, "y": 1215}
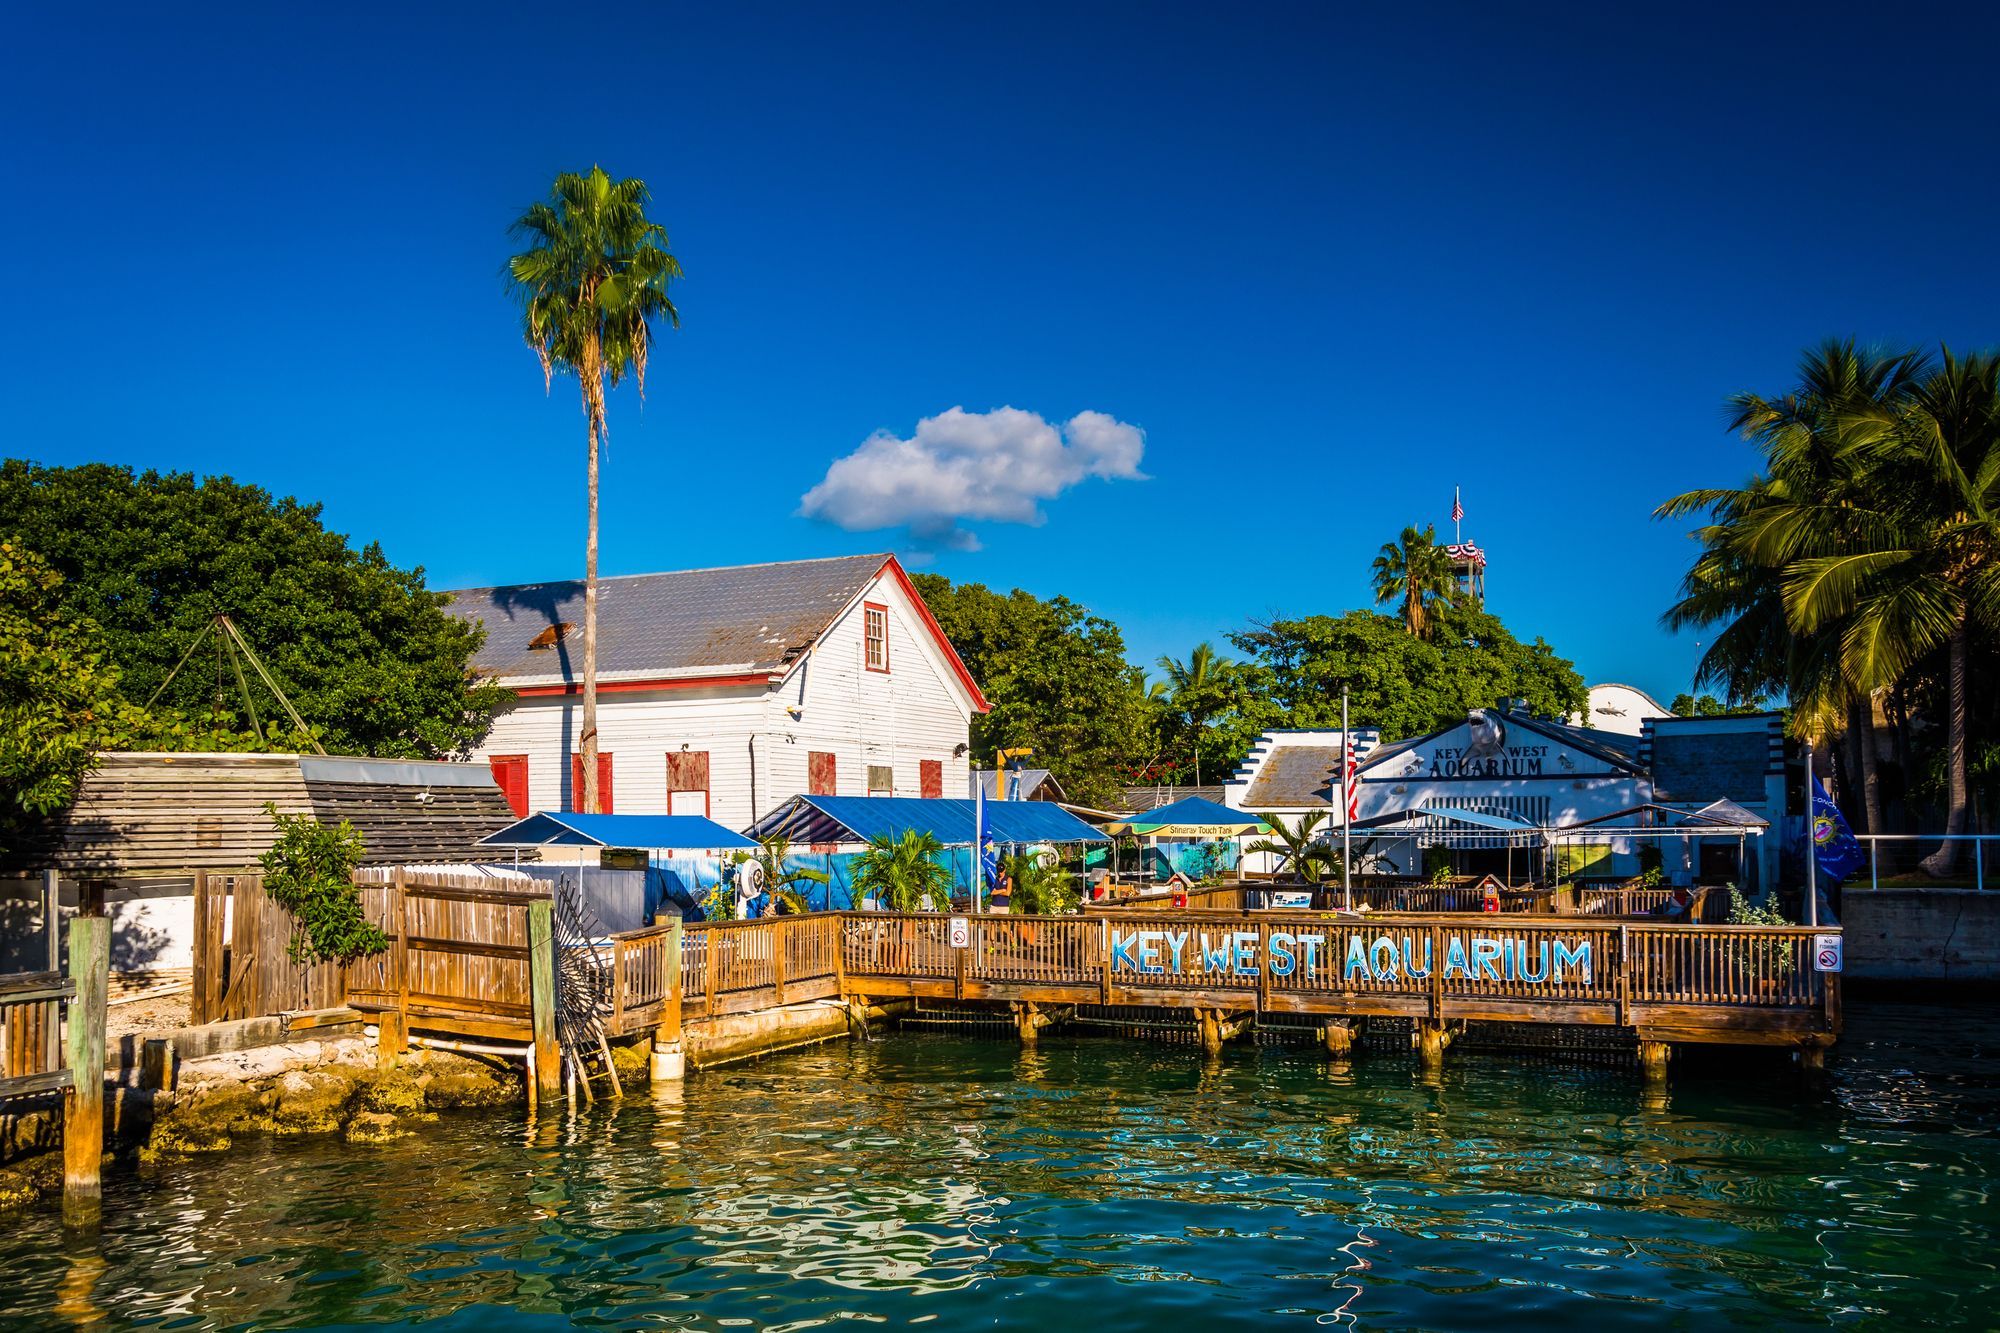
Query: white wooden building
{"x": 1543, "y": 774}
{"x": 725, "y": 692}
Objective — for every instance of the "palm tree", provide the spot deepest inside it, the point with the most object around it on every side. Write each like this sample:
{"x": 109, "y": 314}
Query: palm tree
{"x": 1918, "y": 567}
{"x": 1040, "y": 886}
{"x": 1192, "y": 684}
{"x": 1417, "y": 570}
{"x": 780, "y": 880}
{"x": 1299, "y": 850}
{"x": 591, "y": 283}
{"x": 905, "y": 873}
{"x": 1802, "y": 506}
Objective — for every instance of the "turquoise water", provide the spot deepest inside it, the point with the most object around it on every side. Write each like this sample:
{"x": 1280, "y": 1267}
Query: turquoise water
{"x": 1099, "y": 1184}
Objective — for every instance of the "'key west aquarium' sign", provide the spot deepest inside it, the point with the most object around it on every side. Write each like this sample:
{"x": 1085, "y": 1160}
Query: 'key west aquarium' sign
{"x": 1348, "y": 956}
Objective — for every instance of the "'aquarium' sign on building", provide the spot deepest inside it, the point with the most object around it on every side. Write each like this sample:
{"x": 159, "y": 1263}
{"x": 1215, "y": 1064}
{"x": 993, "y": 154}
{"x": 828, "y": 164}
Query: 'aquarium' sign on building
{"x": 1353, "y": 955}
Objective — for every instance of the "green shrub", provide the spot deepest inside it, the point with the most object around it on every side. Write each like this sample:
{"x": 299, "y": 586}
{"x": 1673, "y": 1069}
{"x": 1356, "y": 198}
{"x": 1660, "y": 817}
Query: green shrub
{"x": 309, "y": 872}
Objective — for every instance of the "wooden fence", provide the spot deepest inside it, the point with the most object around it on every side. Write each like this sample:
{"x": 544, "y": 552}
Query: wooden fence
{"x": 457, "y": 959}
{"x": 31, "y": 1035}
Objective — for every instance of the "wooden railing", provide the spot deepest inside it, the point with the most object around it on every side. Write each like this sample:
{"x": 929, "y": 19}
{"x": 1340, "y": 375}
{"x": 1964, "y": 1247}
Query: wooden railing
{"x": 733, "y": 967}
{"x": 1728, "y": 983}
{"x": 31, "y": 1036}
{"x": 1630, "y": 900}
{"x": 1457, "y": 896}
{"x": 646, "y": 971}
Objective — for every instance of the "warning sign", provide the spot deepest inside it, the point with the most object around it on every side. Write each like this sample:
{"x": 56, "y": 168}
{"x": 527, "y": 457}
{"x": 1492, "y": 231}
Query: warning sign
{"x": 1826, "y": 953}
{"x": 961, "y": 932}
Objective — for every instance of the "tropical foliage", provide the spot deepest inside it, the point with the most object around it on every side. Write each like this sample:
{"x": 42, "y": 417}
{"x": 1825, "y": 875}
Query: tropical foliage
{"x": 780, "y": 880}
{"x": 1416, "y": 570}
{"x": 368, "y": 655}
{"x": 904, "y": 873}
{"x": 592, "y": 283}
{"x": 1302, "y": 850}
{"x": 309, "y": 871}
{"x": 1057, "y": 678}
{"x": 1041, "y": 887}
{"x": 1863, "y": 562}
{"x": 1403, "y": 684}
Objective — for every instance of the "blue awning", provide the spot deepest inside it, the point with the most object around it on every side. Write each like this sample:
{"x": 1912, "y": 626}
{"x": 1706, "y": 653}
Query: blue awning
{"x": 1190, "y": 817}
{"x": 809, "y": 819}
{"x": 654, "y": 832}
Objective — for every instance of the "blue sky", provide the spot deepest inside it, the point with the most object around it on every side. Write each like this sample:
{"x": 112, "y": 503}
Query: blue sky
{"x": 1330, "y": 263}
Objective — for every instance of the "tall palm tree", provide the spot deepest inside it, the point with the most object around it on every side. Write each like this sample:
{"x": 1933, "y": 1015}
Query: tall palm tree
{"x": 1918, "y": 567}
{"x": 1417, "y": 570}
{"x": 1192, "y": 684}
{"x": 1810, "y": 442}
{"x": 592, "y": 282}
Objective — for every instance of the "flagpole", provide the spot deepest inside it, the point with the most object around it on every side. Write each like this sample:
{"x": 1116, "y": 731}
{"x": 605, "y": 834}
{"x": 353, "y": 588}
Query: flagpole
{"x": 1812, "y": 847}
{"x": 978, "y": 838}
{"x": 1346, "y": 805}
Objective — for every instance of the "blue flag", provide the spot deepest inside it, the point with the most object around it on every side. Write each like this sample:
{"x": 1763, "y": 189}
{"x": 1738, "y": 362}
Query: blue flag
{"x": 1833, "y": 842}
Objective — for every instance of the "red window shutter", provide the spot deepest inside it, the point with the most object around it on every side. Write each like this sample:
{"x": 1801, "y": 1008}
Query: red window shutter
{"x": 819, "y": 773}
{"x": 510, "y": 775}
{"x": 930, "y": 778}
{"x": 603, "y": 783}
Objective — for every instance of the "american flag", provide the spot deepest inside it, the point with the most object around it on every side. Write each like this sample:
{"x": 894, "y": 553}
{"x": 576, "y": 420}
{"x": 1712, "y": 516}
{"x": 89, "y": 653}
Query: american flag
{"x": 1457, "y": 509}
{"x": 1352, "y": 751}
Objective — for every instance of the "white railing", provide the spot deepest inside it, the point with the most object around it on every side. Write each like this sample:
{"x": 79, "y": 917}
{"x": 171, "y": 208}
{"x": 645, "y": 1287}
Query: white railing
{"x": 1978, "y": 841}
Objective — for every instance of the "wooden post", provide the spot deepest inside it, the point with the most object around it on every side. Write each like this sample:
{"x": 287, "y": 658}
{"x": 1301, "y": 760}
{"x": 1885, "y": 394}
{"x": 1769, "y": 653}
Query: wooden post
{"x": 1028, "y": 1020}
{"x": 1104, "y": 960}
{"x": 1431, "y": 1040}
{"x": 780, "y": 928}
{"x": 1653, "y": 1057}
{"x": 670, "y": 1014}
{"x": 1338, "y": 1037}
{"x": 156, "y": 1064}
{"x": 392, "y": 1037}
{"x": 52, "y": 917}
{"x": 542, "y": 992}
{"x": 206, "y": 1004}
{"x": 83, "y": 1040}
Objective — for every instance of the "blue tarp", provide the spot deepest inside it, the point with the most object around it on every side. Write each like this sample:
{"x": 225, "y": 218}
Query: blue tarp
{"x": 837, "y": 819}
{"x": 550, "y": 829}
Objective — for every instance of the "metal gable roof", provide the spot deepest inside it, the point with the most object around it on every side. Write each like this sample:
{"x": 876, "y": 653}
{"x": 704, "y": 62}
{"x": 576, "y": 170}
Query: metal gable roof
{"x": 745, "y": 618}
{"x": 551, "y": 829}
{"x": 810, "y": 819}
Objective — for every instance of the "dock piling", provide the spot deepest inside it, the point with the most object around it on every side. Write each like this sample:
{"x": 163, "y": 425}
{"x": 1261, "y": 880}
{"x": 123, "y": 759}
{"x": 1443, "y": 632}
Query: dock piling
{"x": 83, "y": 1048}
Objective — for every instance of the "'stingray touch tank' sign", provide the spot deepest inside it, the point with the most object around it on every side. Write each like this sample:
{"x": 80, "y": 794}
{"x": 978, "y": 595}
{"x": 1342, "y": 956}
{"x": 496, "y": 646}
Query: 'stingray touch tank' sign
{"x": 1351, "y": 956}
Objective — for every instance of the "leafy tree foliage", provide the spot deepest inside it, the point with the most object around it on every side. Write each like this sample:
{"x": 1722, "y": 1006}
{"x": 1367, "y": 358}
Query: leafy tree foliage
{"x": 1057, "y": 678}
{"x": 1865, "y": 559}
{"x": 309, "y": 871}
{"x": 1404, "y": 684}
{"x": 1415, "y": 569}
{"x": 367, "y": 654}
{"x": 59, "y": 695}
{"x": 904, "y": 873}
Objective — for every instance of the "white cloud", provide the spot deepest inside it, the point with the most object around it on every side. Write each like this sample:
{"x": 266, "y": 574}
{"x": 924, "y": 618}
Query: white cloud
{"x": 961, "y": 467}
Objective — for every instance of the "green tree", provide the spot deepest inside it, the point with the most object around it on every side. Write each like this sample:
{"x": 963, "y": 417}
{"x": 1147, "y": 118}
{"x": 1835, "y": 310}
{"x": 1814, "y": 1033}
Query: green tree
{"x": 1405, "y": 685}
{"x": 1056, "y": 677}
{"x": 1205, "y": 687}
{"x": 1416, "y": 569}
{"x": 1041, "y": 887}
{"x": 592, "y": 282}
{"x": 59, "y": 695}
{"x": 369, "y": 656}
{"x": 1754, "y": 531}
{"x": 904, "y": 873}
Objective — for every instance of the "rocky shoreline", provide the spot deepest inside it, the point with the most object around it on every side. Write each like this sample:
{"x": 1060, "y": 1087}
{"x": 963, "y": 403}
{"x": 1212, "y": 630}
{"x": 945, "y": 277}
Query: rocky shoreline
{"x": 333, "y": 1087}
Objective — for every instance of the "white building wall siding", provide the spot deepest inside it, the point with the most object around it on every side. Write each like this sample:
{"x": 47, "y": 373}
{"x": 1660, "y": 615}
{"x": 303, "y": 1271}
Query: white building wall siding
{"x": 914, "y": 712}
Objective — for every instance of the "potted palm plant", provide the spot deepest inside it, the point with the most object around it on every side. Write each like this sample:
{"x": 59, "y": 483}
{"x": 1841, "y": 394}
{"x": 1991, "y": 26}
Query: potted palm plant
{"x": 904, "y": 873}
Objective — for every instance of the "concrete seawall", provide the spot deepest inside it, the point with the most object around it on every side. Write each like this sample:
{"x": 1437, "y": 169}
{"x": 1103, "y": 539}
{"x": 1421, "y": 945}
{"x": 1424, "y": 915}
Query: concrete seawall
{"x": 1948, "y": 935}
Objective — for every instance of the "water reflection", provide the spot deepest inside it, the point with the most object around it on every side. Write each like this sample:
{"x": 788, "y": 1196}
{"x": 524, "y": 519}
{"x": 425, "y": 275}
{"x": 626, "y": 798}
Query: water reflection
{"x": 1101, "y": 1183}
